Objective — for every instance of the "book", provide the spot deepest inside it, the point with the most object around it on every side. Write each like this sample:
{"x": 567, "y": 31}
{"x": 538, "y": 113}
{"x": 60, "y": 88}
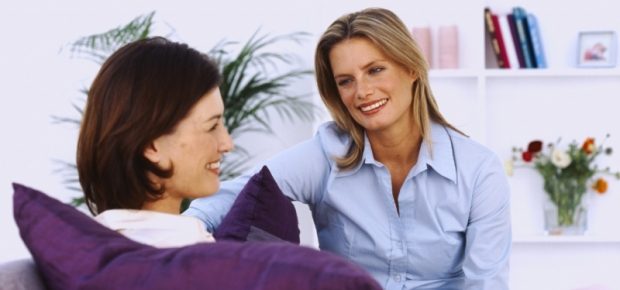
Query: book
{"x": 515, "y": 39}
{"x": 508, "y": 42}
{"x": 500, "y": 41}
{"x": 537, "y": 45}
{"x": 494, "y": 36}
{"x": 520, "y": 17}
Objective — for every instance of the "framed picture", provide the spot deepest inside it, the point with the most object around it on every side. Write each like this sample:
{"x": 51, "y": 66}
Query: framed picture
{"x": 597, "y": 49}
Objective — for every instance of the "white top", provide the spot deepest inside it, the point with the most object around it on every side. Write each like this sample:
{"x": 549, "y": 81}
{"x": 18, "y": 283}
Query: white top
{"x": 157, "y": 229}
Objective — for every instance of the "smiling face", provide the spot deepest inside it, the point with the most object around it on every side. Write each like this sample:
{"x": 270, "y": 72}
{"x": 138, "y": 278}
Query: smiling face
{"x": 376, "y": 91}
{"x": 194, "y": 149}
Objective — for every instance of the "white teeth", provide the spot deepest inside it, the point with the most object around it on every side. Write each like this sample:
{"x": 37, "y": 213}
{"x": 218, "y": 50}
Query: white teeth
{"x": 214, "y": 165}
{"x": 373, "y": 106}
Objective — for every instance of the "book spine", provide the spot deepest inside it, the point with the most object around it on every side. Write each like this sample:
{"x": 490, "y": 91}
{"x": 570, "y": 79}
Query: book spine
{"x": 515, "y": 39}
{"x": 492, "y": 32}
{"x": 519, "y": 15}
{"x": 528, "y": 36}
{"x": 508, "y": 43}
{"x": 500, "y": 42}
{"x": 537, "y": 45}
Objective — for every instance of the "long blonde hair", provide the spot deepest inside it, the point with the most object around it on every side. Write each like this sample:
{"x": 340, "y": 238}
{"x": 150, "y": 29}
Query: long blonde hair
{"x": 383, "y": 28}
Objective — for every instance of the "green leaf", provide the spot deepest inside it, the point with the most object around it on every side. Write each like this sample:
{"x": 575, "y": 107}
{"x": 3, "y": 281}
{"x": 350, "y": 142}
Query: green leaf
{"x": 99, "y": 46}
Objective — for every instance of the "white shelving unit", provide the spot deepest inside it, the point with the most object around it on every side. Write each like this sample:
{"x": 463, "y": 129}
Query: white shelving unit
{"x": 503, "y": 108}
{"x": 566, "y": 239}
{"x": 524, "y": 73}
{"x": 506, "y": 108}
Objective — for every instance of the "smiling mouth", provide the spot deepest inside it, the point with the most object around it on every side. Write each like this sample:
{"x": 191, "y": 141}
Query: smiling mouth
{"x": 373, "y": 106}
{"x": 214, "y": 165}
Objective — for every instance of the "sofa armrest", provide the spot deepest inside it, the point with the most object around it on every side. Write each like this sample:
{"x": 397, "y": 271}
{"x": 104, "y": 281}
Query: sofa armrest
{"x": 20, "y": 275}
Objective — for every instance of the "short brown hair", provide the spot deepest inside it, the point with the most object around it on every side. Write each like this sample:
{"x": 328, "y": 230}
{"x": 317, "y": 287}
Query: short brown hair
{"x": 141, "y": 92}
{"x": 383, "y": 28}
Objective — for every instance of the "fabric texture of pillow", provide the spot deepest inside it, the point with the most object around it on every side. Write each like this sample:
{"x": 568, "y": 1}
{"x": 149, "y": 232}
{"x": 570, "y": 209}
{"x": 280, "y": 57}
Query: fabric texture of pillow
{"x": 73, "y": 251}
{"x": 260, "y": 213}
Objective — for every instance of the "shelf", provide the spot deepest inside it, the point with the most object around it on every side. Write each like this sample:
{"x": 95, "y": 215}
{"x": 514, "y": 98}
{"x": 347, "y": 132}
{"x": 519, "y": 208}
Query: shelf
{"x": 454, "y": 73}
{"x": 564, "y": 239}
{"x": 527, "y": 73}
{"x": 572, "y": 72}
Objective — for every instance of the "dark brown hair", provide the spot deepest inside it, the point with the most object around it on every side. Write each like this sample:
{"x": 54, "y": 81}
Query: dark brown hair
{"x": 141, "y": 92}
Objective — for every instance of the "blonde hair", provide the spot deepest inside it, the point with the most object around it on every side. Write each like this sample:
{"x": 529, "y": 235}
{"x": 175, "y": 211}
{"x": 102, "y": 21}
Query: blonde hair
{"x": 383, "y": 28}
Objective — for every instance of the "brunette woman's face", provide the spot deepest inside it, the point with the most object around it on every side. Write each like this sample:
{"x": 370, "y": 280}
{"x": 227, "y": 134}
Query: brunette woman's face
{"x": 376, "y": 90}
{"x": 194, "y": 149}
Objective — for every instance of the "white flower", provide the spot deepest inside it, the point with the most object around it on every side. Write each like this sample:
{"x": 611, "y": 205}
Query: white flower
{"x": 560, "y": 159}
{"x": 509, "y": 167}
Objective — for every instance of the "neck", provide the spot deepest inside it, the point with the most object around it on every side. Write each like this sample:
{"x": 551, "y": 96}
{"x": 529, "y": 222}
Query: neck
{"x": 396, "y": 145}
{"x": 165, "y": 204}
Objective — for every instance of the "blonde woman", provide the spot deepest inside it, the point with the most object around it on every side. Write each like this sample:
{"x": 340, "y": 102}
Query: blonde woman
{"x": 391, "y": 184}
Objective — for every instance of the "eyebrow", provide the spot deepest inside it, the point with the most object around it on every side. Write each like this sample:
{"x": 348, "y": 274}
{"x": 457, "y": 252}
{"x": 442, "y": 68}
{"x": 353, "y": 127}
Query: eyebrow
{"x": 362, "y": 67}
{"x": 216, "y": 117}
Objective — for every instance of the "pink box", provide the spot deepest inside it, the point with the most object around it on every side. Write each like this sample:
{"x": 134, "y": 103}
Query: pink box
{"x": 448, "y": 50}
{"x": 422, "y": 36}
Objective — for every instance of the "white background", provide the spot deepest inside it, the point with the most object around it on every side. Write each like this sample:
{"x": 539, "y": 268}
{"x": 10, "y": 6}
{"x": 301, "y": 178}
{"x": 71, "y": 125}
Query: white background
{"x": 38, "y": 79}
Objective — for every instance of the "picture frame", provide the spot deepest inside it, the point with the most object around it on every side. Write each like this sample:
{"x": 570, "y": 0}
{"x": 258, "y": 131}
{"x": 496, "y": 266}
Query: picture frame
{"x": 596, "y": 49}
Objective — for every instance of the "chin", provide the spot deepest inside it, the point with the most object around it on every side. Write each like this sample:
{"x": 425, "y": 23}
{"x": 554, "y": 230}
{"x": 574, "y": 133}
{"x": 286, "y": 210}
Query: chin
{"x": 212, "y": 188}
{"x": 374, "y": 125}
{"x": 206, "y": 190}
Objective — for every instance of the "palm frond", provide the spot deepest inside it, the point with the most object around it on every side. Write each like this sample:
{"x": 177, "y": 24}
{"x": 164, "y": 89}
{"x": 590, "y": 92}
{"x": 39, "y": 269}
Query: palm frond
{"x": 250, "y": 89}
{"x": 99, "y": 46}
{"x": 75, "y": 121}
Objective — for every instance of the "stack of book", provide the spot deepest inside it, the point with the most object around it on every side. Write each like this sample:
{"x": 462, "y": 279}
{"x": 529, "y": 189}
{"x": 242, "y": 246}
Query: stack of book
{"x": 515, "y": 39}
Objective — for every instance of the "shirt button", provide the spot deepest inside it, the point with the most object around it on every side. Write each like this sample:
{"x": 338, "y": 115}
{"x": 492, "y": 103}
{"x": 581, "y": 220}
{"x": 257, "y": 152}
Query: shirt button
{"x": 397, "y": 277}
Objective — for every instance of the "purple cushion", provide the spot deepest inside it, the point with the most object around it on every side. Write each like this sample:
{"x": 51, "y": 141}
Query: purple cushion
{"x": 73, "y": 251}
{"x": 260, "y": 213}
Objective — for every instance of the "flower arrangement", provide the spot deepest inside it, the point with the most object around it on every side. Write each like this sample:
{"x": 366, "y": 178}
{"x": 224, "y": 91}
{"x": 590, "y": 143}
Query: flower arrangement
{"x": 567, "y": 174}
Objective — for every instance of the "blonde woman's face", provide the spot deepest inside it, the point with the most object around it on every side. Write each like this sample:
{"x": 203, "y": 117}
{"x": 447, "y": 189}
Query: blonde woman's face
{"x": 376, "y": 91}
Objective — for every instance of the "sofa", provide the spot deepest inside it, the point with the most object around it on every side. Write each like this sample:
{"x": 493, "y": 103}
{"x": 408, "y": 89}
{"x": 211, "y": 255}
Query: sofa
{"x": 20, "y": 275}
{"x": 258, "y": 248}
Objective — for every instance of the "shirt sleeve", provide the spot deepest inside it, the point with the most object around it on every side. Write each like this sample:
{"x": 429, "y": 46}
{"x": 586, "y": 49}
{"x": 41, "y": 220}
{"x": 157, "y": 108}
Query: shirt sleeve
{"x": 488, "y": 236}
{"x": 299, "y": 171}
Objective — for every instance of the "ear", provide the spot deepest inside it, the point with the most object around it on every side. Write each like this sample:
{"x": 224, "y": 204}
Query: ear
{"x": 413, "y": 76}
{"x": 151, "y": 153}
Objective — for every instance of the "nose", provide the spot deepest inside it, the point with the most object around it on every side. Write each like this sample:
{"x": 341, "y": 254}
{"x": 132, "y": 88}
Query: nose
{"x": 225, "y": 143}
{"x": 364, "y": 88}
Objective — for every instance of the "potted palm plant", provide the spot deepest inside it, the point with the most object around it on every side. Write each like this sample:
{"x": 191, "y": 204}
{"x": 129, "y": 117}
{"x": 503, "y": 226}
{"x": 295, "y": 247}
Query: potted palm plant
{"x": 249, "y": 90}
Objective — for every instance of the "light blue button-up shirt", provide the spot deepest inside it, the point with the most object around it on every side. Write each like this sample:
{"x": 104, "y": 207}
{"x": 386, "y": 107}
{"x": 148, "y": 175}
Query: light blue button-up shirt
{"x": 453, "y": 230}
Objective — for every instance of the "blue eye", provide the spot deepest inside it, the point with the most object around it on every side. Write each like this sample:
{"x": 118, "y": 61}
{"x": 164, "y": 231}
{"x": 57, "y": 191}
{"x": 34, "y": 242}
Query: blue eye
{"x": 376, "y": 69}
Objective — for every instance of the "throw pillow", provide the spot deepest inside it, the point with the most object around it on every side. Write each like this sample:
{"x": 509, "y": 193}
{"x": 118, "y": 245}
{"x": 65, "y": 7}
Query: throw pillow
{"x": 72, "y": 251}
{"x": 261, "y": 212}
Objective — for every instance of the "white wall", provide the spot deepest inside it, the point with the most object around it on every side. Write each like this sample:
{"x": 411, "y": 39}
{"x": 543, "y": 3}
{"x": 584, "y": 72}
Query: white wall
{"x": 38, "y": 78}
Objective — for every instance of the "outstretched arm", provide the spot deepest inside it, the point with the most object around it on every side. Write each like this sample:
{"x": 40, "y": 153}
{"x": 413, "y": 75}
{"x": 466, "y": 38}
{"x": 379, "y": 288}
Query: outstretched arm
{"x": 299, "y": 171}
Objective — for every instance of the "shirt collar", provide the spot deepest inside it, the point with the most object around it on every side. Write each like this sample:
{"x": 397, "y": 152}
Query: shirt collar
{"x": 441, "y": 160}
